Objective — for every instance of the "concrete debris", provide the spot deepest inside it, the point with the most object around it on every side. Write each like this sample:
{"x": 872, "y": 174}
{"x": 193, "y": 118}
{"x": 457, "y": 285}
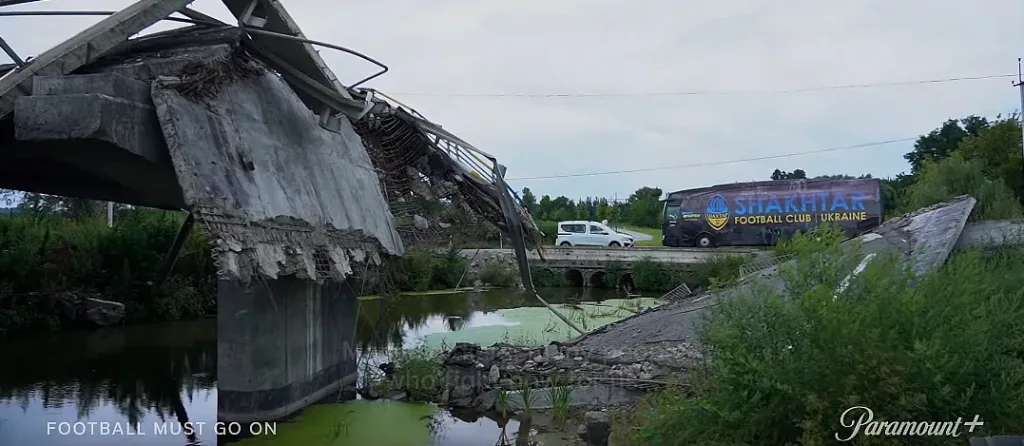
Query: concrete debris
{"x": 595, "y": 429}
{"x": 89, "y": 311}
{"x": 599, "y": 380}
{"x": 420, "y": 222}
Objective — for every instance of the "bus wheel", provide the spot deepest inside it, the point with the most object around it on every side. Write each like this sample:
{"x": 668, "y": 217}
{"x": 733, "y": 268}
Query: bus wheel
{"x": 567, "y": 244}
{"x": 704, "y": 241}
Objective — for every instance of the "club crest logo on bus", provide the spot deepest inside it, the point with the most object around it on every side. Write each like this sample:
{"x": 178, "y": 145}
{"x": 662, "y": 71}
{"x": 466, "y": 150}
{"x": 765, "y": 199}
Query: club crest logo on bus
{"x": 717, "y": 212}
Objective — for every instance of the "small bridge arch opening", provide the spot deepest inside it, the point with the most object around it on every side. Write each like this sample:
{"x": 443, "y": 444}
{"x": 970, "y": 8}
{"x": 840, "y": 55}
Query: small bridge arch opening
{"x": 626, "y": 282}
{"x": 598, "y": 280}
{"x": 574, "y": 278}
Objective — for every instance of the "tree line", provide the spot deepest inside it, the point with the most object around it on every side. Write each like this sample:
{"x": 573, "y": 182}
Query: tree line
{"x": 641, "y": 208}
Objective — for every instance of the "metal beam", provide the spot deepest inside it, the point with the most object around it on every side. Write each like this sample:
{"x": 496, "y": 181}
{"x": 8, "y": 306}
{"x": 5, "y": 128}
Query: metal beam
{"x": 86, "y": 47}
{"x": 300, "y": 55}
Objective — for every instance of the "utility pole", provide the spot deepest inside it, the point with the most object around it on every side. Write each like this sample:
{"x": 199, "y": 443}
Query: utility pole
{"x": 110, "y": 214}
{"x": 1020, "y": 86}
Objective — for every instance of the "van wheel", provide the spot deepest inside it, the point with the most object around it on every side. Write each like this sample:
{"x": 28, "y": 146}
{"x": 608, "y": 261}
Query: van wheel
{"x": 704, "y": 241}
{"x": 614, "y": 244}
{"x": 565, "y": 244}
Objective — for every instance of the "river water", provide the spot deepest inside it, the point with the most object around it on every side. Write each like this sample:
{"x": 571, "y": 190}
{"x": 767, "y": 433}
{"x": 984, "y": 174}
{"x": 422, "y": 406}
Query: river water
{"x": 136, "y": 380}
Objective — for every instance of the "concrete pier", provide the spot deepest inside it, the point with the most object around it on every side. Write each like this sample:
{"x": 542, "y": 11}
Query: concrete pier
{"x": 282, "y": 345}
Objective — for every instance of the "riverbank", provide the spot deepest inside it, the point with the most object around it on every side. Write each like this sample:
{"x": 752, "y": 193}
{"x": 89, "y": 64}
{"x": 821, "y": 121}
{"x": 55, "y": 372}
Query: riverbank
{"x": 53, "y": 271}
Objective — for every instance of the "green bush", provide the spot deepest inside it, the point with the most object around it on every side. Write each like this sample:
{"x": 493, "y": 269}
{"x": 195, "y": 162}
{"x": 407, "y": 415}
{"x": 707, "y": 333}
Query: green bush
{"x": 550, "y": 230}
{"x": 954, "y": 176}
{"x": 419, "y": 373}
{"x": 496, "y": 274}
{"x": 545, "y": 278}
{"x": 717, "y": 271}
{"x": 422, "y": 270}
{"x": 46, "y": 255}
{"x": 824, "y": 235}
{"x": 781, "y": 370}
{"x": 649, "y": 275}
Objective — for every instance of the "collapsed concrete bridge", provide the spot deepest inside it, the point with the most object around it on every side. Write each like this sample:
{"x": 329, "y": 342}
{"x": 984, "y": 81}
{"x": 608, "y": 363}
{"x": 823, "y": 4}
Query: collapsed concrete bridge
{"x": 304, "y": 185}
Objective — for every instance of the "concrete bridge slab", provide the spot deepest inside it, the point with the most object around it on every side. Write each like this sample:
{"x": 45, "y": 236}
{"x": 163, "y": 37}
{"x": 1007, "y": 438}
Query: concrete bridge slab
{"x": 124, "y": 123}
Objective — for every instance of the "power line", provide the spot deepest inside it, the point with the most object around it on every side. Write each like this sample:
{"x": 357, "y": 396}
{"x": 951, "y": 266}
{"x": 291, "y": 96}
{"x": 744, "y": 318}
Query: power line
{"x": 711, "y": 92}
{"x": 715, "y": 163}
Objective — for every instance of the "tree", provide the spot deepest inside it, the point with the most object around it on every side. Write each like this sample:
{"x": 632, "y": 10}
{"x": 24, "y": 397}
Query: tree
{"x": 530, "y": 202}
{"x": 604, "y": 211}
{"x": 894, "y": 190}
{"x": 643, "y": 208}
{"x": 998, "y": 148}
{"x": 545, "y": 208}
{"x": 798, "y": 174}
{"x": 941, "y": 142}
{"x": 955, "y": 176}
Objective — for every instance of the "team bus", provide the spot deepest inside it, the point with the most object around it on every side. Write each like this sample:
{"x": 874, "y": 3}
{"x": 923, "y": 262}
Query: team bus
{"x": 760, "y": 213}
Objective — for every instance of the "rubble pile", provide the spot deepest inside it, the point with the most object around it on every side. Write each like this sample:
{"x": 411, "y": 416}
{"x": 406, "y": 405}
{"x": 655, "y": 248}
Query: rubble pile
{"x": 473, "y": 372}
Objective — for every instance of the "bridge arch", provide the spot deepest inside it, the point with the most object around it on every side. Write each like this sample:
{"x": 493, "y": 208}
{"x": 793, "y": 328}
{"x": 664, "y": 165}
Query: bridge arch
{"x": 574, "y": 278}
{"x": 598, "y": 279}
{"x": 626, "y": 282}
{"x": 545, "y": 277}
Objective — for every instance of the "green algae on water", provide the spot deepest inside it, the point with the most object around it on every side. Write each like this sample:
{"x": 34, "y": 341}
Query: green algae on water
{"x": 355, "y": 423}
{"x": 533, "y": 326}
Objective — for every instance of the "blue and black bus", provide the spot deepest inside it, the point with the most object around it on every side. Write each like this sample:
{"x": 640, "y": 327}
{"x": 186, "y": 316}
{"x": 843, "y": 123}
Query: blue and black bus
{"x": 760, "y": 213}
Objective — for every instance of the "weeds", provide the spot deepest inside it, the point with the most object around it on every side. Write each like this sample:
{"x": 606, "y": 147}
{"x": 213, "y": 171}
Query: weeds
{"x": 502, "y": 402}
{"x": 496, "y": 274}
{"x": 526, "y": 392}
{"x": 42, "y": 256}
{"x": 418, "y": 373}
{"x": 782, "y": 368}
{"x": 559, "y": 394}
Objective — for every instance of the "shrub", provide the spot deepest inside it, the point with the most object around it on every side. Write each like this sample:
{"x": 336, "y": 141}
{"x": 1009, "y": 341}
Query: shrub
{"x": 544, "y": 277}
{"x": 44, "y": 255}
{"x": 550, "y": 230}
{"x": 781, "y": 369}
{"x": 649, "y": 275}
{"x": 419, "y": 373}
{"x": 801, "y": 244}
{"x": 955, "y": 176}
{"x": 421, "y": 270}
{"x": 496, "y": 274}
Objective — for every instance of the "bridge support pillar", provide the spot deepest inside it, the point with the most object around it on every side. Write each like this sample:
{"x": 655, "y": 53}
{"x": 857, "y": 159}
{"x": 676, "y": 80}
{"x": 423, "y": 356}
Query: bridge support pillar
{"x": 282, "y": 345}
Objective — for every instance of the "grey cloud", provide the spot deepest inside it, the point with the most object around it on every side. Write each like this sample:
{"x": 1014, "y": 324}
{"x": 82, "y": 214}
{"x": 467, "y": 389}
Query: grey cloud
{"x": 608, "y": 46}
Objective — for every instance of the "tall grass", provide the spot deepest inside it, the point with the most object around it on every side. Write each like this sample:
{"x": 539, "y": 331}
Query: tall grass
{"x": 559, "y": 396}
{"x": 781, "y": 369}
{"x": 43, "y": 256}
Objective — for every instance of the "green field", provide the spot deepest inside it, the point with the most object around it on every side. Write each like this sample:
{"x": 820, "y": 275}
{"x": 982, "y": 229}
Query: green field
{"x": 655, "y": 233}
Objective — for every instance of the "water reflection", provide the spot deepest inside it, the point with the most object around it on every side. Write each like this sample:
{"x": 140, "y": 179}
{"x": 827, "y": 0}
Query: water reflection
{"x": 389, "y": 323}
{"x": 159, "y": 373}
{"x": 128, "y": 378}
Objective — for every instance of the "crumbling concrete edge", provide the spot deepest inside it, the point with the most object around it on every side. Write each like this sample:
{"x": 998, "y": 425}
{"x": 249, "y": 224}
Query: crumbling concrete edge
{"x": 278, "y": 247}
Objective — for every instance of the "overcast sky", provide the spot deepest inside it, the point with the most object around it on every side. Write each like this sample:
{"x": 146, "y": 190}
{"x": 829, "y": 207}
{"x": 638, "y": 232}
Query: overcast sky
{"x": 744, "y": 49}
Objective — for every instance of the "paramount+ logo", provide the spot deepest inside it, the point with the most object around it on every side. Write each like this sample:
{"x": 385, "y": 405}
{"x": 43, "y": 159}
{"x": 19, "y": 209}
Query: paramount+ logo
{"x": 717, "y": 212}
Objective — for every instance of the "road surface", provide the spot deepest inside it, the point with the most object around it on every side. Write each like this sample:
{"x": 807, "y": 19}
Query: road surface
{"x": 637, "y": 236}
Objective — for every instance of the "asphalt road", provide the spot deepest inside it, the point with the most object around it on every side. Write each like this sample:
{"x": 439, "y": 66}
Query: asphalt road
{"x": 637, "y": 236}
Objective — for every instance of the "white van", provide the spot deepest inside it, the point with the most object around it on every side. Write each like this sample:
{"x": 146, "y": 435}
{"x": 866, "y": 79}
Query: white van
{"x": 590, "y": 233}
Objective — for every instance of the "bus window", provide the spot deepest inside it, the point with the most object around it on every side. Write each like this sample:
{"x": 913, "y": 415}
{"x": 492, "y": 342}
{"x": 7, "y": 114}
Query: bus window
{"x": 671, "y": 211}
